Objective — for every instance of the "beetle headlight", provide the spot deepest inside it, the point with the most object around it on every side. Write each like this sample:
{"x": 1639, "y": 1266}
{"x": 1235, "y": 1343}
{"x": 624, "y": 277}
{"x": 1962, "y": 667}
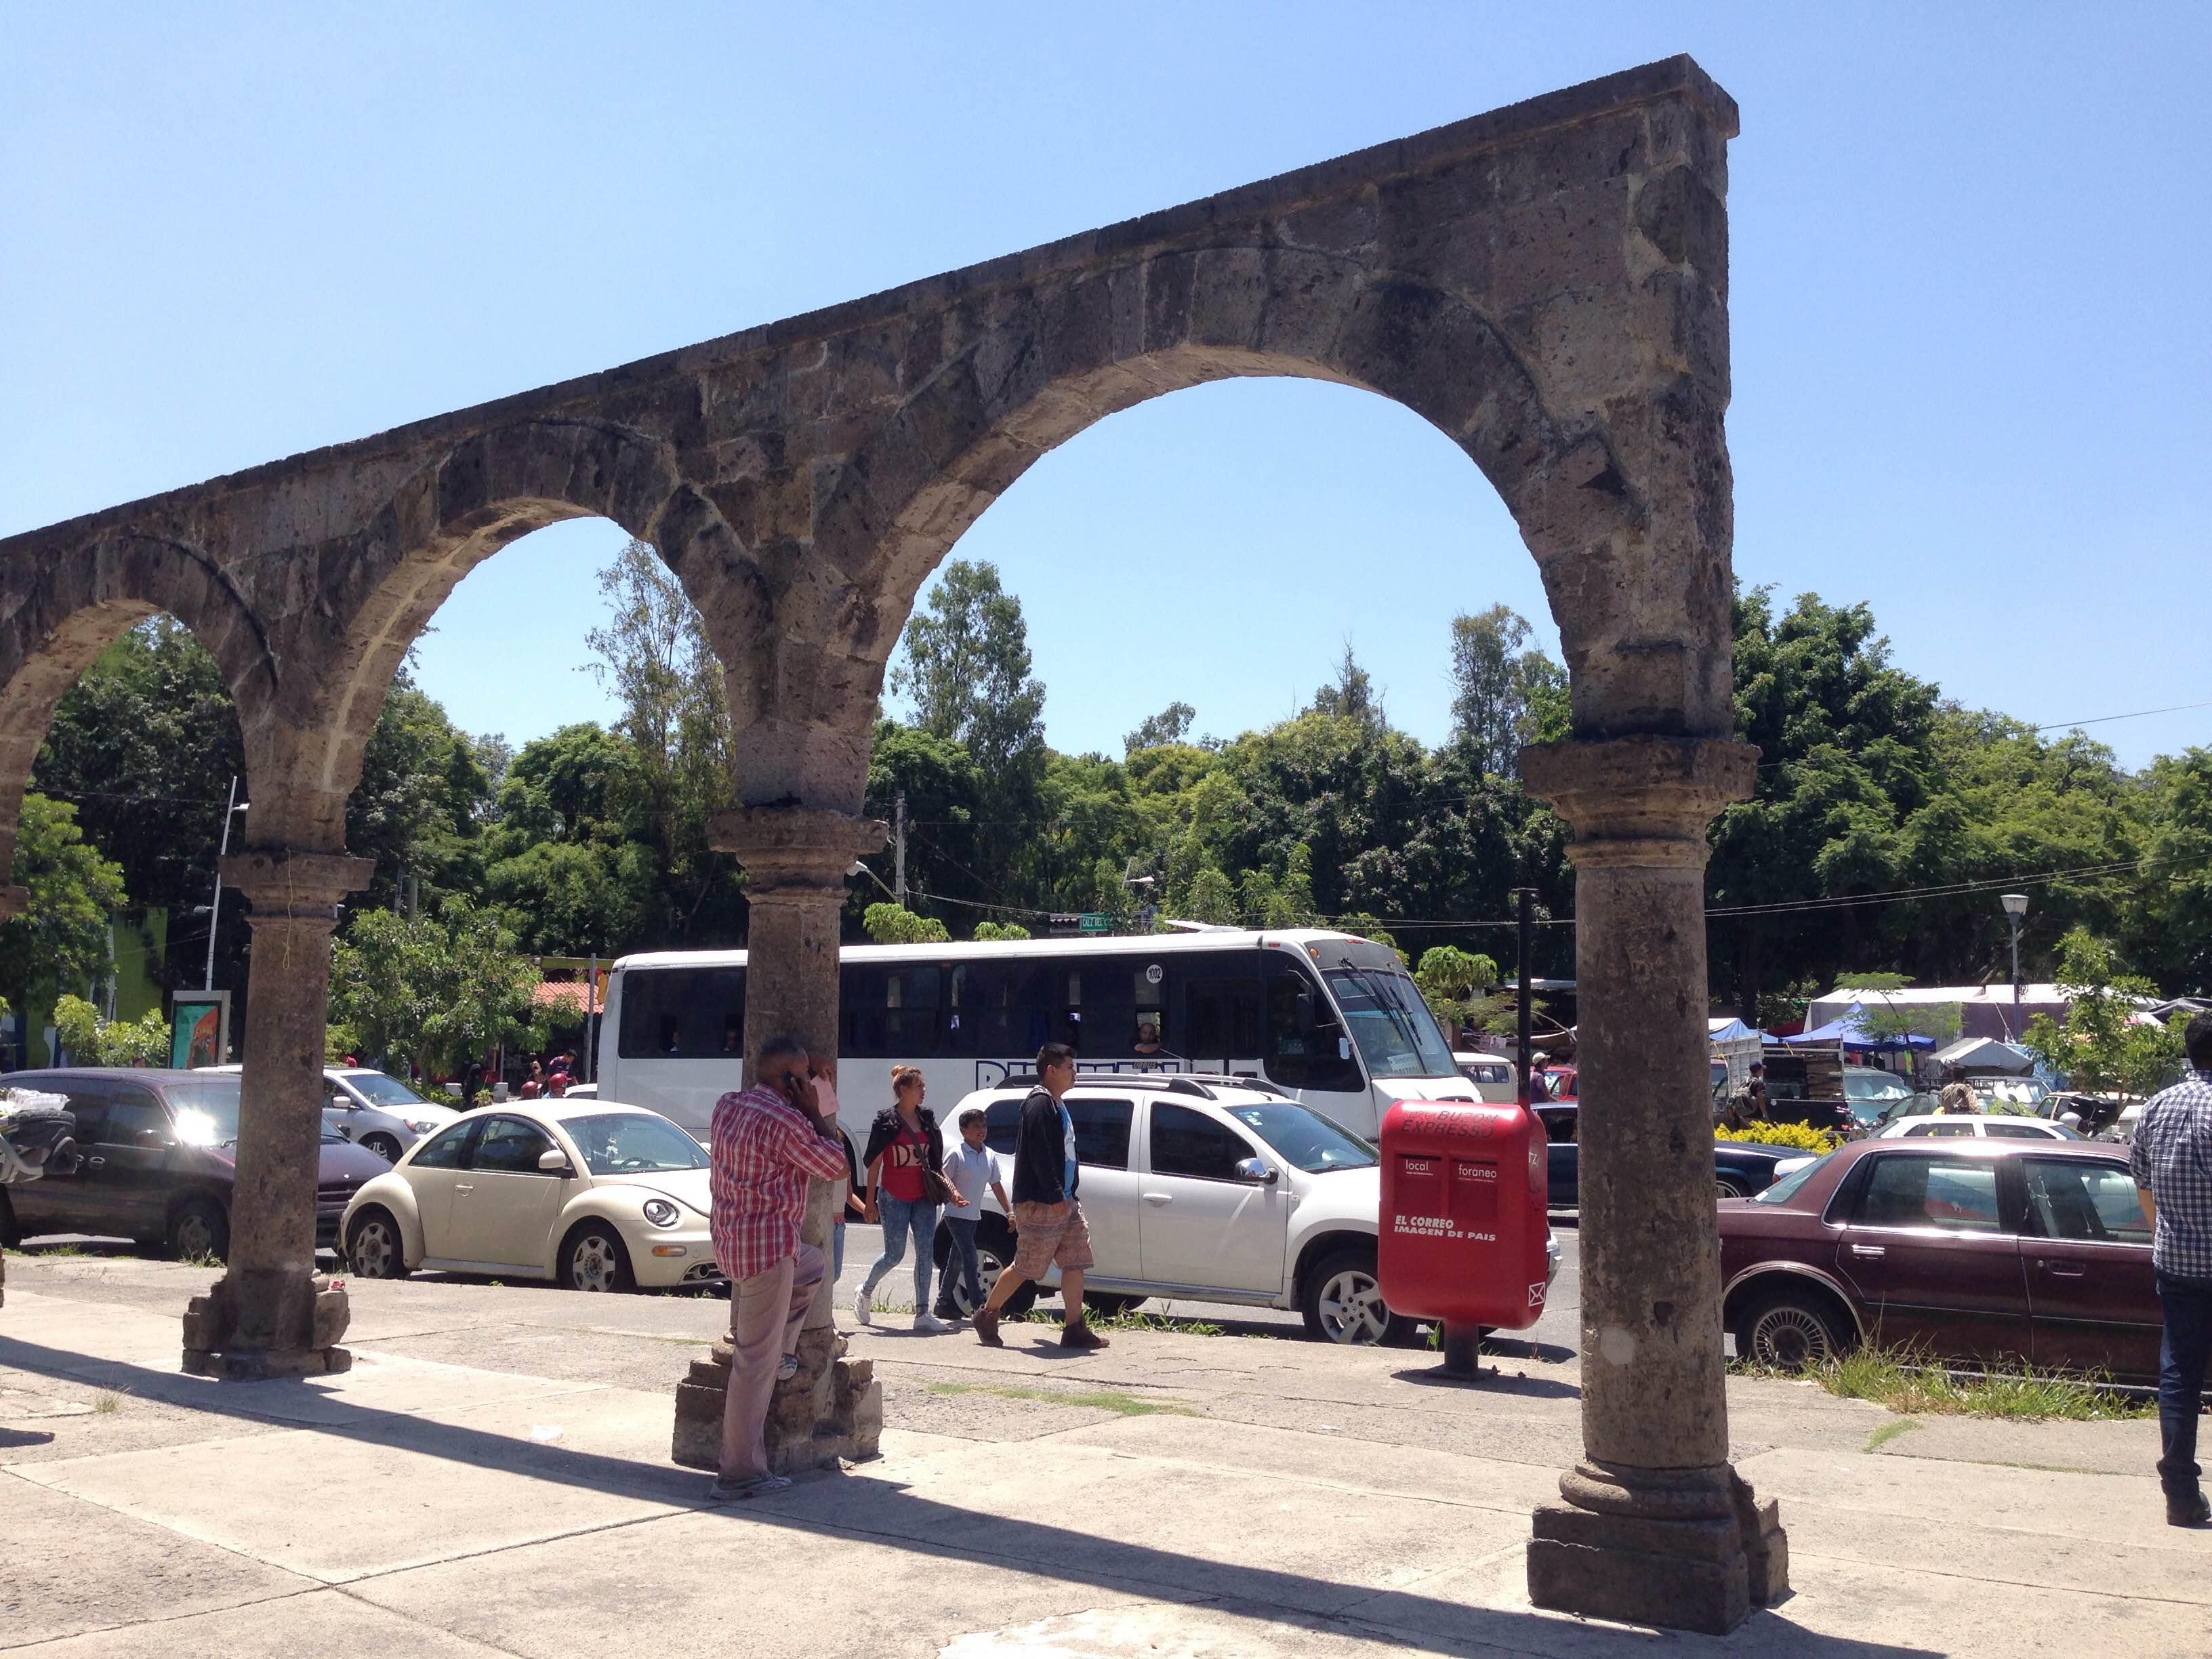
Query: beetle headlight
{"x": 661, "y": 1212}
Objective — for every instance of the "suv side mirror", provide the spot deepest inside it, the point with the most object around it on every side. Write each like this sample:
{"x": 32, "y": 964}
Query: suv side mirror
{"x": 554, "y": 1161}
{"x": 1256, "y": 1169}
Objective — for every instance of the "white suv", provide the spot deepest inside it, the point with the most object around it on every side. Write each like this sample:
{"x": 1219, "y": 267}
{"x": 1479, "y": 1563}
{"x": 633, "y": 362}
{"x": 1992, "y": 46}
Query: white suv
{"x": 1208, "y": 1190}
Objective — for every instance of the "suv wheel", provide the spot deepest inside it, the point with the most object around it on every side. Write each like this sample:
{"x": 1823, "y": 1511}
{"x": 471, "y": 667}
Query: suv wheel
{"x": 199, "y": 1230}
{"x": 1342, "y": 1302}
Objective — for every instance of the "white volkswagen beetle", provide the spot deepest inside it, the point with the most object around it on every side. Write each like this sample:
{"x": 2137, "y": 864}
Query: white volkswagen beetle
{"x": 590, "y": 1194}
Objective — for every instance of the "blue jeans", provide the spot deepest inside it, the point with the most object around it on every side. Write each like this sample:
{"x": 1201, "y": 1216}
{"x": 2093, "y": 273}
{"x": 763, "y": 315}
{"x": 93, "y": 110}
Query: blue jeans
{"x": 836, "y": 1251}
{"x": 963, "y": 1262}
{"x": 900, "y": 1218}
{"x": 2182, "y": 1352}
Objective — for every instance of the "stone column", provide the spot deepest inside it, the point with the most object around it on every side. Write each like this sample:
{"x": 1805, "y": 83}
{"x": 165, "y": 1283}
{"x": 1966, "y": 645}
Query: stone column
{"x": 1656, "y": 1529}
{"x": 795, "y": 860}
{"x": 270, "y": 1314}
{"x": 12, "y": 903}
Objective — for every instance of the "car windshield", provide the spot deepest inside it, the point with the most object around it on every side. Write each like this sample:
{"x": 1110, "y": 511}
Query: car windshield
{"x": 381, "y": 1090}
{"x": 633, "y": 1142}
{"x": 206, "y": 1108}
{"x": 1859, "y": 1087}
{"x": 1396, "y": 1033}
{"x": 1786, "y": 1189}
{"x": 1306, "y": 1139}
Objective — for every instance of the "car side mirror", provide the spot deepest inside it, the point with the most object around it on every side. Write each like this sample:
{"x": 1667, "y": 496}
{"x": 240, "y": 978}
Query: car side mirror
{"x": 554, "y": 1161}
{"x": 1256, "y": 1169}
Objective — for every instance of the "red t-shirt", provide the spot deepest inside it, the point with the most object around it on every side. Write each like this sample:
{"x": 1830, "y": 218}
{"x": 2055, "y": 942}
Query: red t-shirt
{"x": 902, "y": 1173}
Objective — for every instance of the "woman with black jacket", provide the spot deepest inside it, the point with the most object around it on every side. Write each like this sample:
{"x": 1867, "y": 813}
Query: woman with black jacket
{"x": 905, "y": 1151}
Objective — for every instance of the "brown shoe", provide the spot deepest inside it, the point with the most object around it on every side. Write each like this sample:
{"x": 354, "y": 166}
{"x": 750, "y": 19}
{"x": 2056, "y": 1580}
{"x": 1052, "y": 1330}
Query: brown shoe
{"x": 1081, "y": 1337}
{"x": 986, "y": 1328}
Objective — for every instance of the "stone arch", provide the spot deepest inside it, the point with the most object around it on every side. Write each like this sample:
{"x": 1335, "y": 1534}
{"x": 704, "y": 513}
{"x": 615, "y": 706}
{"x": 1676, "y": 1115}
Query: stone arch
{"x": 81, "y": 603}
{"x": 1040, "y": 364}
{"x": 487, "y": 491}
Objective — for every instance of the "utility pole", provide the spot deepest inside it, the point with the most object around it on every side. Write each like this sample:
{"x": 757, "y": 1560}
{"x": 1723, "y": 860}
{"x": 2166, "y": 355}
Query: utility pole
{"x": 214, "y": 904}
{"x": 898, "y": 851}
{"x": 1524, "y": 1037}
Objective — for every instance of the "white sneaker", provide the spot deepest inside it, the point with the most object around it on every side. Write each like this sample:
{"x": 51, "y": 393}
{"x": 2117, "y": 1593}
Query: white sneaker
{"x": 860, "y": 1309}
{"x": 930, "y": 1324}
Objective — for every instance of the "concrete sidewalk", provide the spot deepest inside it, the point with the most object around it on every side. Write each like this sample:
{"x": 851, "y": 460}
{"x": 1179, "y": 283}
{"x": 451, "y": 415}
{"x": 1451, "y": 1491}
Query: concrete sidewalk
{"x": 492, "y": 1477}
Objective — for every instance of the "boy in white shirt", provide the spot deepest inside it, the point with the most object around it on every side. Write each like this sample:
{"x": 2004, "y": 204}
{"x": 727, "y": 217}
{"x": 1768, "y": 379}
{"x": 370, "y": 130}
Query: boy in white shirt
{"x": 972, "y": 1171}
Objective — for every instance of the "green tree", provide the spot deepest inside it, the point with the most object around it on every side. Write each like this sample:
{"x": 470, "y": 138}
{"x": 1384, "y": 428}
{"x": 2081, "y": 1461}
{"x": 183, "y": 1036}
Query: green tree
{"x": 1154, "y": 731}
{"x": 92, "y": 1040}
{"x": 2167, "y": 915}
{"x": 985, "y": 931}
{"x": 1504, "y": 696}
{"x": 965, "y": 668}
{"x": 892, "y": 924}
{"x": 2102, "y": 1047}
{"x": 1451, "y": 980}
{"x": 419, "y": 808}
{"x": 439, "y": 989}
{"x": 60, "y": 941}
{"x": 1352, "y": 696}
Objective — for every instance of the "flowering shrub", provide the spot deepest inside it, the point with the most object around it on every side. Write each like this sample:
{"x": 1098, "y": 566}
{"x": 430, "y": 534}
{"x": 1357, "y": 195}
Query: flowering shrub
{"x": 1802, "y": 1136}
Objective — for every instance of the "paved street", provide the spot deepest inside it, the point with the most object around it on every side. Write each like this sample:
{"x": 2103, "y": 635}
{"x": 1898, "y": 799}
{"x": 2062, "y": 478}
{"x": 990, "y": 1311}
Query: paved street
{"x": 492, "y": 1477}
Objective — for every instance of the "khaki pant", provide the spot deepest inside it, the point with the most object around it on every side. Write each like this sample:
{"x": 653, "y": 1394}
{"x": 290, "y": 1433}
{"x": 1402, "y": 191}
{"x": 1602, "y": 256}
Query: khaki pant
{"x": 766, "y": 1312}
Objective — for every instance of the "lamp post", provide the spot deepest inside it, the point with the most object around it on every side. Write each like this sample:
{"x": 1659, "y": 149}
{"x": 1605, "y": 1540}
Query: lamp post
{"x": 214, "y": 904}
{"x": 2015, "y": 907}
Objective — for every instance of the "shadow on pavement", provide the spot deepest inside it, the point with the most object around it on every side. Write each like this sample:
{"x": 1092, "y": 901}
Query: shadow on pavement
{"x": 860, "y": 1505}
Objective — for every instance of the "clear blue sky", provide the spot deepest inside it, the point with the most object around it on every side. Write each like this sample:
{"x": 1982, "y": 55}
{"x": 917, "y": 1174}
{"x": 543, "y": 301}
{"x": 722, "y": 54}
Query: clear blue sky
{"x": 1972, "y": 345}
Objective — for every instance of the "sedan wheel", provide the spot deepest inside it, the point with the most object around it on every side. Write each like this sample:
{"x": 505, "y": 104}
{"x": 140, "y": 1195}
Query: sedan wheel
{"x": 1790, "y": 1333}
{"x": 383, "y": 1145}
{"x": 595, "y": 1261}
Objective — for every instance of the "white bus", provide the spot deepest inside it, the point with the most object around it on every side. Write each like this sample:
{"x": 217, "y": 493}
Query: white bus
{"x": 1333, "y": 1020}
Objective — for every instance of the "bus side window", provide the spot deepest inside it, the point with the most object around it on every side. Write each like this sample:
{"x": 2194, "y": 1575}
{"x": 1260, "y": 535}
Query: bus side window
{"x": 683, "y": 1013}
{"x": 890, "y": 1010}
{"x": 1306, "y": 1046}
{"x": 1221, "y": 1020}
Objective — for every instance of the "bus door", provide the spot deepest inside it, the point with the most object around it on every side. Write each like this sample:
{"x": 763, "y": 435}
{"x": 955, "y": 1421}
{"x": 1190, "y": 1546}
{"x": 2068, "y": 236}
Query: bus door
{"x": 1220, "y": 1020}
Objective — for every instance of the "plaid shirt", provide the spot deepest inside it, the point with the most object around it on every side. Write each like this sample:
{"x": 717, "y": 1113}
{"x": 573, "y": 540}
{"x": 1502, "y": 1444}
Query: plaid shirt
{"x": 2172, "y": 1158}
{"x": 763, "y": 1152}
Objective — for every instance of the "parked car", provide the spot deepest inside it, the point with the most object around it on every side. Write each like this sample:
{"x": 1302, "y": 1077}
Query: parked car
{"x": 1955, "y": 1125}
{"x": 371, "y": 1108}
{"x": 1869, "y": 1092}
{"x": 1970, "y": 1251}
{"x": 591, "y": 1194}
{"x": 1561, "y": 1083}
{"x": 1493, "y": 1075}
{"x": 1216, "y": 1189}
{"x": 1740, "y": 1167}
{"x": 152, "y": 1160}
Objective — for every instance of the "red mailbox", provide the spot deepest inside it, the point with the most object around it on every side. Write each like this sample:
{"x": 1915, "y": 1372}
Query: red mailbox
{"x": 1464, "y": 1232}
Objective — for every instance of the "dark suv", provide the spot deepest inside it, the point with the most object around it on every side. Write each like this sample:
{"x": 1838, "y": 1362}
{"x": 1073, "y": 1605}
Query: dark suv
{"x": 152, "y": 1159}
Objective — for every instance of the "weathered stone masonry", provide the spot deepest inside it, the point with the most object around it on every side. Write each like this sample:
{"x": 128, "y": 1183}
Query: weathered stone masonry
{"x": 1547, "y": 284}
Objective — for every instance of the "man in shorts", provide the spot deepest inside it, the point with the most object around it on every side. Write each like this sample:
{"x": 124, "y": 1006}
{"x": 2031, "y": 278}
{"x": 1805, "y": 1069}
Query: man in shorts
{"x": 1049, "y": 1227}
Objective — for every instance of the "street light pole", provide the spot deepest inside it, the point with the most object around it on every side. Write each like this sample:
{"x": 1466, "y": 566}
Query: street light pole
{"x": 2015, "y": 907}
{"x": 230, "y": 810}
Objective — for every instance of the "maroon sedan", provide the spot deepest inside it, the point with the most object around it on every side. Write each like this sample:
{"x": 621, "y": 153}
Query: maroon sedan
{"x": 1968, "y": 1250}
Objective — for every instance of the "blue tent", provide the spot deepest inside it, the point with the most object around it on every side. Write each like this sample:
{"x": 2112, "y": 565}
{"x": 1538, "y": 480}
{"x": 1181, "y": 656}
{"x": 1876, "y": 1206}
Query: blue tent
{"x": 1847, "y": 1030}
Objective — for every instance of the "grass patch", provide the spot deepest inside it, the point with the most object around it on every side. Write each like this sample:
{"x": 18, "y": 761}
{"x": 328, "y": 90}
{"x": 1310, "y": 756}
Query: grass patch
{"x": 1888, "y": 1431}
{"x": 1911, "y": 1384}
{"x": 201, "y": 1259}
{"x": 1131, "y": 1319}
{"x": 1104, "y": 1400}
{"x": 107, "y": 1401}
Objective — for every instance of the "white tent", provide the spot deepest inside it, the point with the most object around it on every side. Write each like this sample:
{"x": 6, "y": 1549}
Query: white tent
{"x": 1986, "y": 1054}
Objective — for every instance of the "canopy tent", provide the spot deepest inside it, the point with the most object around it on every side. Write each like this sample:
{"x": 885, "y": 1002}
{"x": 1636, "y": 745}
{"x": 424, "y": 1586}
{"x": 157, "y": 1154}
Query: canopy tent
{"x": 1727, "y": 1031}
{"x": 1850, "y": 1031}
{"x": 1987, "y": 1055}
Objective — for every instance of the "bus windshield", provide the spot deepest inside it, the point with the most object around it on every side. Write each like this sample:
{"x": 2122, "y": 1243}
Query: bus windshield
{"x": 1396, "y": 1033}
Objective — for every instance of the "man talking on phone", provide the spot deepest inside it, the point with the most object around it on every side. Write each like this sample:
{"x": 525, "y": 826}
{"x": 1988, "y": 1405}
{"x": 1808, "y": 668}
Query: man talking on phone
{"x": 766, "y": 1144}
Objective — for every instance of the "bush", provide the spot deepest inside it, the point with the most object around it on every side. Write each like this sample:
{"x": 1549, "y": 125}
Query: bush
{"x": 93, "y": 1041}
{"x": 1802, "y": 1136}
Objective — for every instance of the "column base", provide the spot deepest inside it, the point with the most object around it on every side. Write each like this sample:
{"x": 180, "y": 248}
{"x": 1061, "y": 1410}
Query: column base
{"x": 832, "y": 1410}
{"x": 255, "y": 1325}
{"x": 1694, "y": 1572}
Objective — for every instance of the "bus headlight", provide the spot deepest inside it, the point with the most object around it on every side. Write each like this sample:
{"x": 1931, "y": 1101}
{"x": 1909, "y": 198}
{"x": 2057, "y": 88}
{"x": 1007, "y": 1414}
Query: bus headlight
{"x": 661, "y": 1212}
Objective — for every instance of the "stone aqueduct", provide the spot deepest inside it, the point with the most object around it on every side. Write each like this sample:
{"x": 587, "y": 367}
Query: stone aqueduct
{"x": 1546, "y": 284}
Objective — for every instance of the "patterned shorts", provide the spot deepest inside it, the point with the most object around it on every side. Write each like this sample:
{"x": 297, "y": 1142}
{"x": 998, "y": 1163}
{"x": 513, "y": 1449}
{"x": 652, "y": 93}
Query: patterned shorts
{"x": 1050, "y": 1235}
